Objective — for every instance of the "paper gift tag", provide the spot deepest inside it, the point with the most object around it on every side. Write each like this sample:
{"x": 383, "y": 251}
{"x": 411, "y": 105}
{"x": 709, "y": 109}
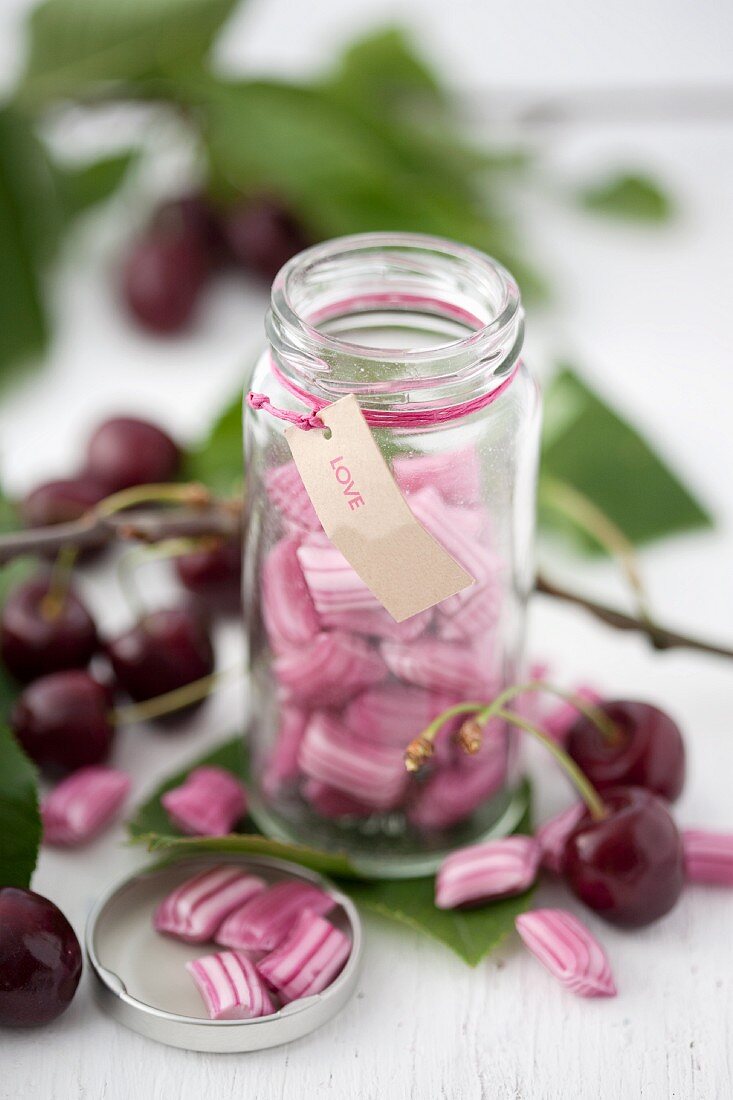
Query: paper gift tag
{"x": 366, "y": 517}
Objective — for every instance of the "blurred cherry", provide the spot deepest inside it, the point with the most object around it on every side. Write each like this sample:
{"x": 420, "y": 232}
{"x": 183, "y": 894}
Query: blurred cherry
{"x": 40, "y": 959}
{"x": 192, "y": 215}
{"x": 61, "y": 501}
{"x": 62, "y": 721}
{"x": 126, "y": 451}
{"x": 41, "y": 634}
{"x": 163, "y": 276}
{"x": 262, "y": 235}
{"x": 214, "y": 576}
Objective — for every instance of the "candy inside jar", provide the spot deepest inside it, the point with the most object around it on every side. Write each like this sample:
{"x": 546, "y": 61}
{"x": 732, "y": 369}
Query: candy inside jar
{"x": 339, "y": 687}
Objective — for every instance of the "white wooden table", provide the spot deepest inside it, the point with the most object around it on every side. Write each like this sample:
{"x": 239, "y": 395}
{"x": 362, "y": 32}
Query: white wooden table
{"x": 647, "y": 316}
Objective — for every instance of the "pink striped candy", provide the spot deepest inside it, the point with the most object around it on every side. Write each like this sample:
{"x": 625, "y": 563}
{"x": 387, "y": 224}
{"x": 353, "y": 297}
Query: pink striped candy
{"x": 494, "y": 869}
{"x": 454, "y": 792}
{"x": 441, "y": 666}
{"x": 557, "y": 721}
{"x": 282, "y": 764}
{"x": 568, "y": 950}
{"x": 708, "y": 856}
{"x": 209, "y": 803}
{"x": 461, "y": 531}
{"x": 476, "y": 618}
{"x": 287, "y": 493}
{"x": 456, "y": 474}
{"x": 287, "y": 608}
{"x": 378, "y": 623}
{"x": 230, "y": 986}
{"x": 392, "y": 714}
{"x": 308, "y": 959}
{"x": 329, "y": 671}
{"x": 334, "y": 586}
{"x": 371, "y": 774}
{"x": 262, "y": 923}
{"x": 196, "y": 908}
{"x": 553, "y": 835}
{"x": 328, "y": 802}
{"x": 82, "y": 805}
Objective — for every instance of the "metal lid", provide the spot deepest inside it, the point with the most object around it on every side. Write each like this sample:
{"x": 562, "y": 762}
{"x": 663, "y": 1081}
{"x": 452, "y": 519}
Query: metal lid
{"x": 141, "y": 980}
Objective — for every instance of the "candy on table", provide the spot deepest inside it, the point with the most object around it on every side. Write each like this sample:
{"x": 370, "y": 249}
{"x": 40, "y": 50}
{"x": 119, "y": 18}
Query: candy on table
{"x": 441, "y": 666}
{"x": 230, "y": 986}
{"x": 392, "y": 714}
{"x": 262, "y": 923}
{"x": 287, "y": 608}
{"x": 371, "y": 774}
{"x": 456, "y": 475}
{"x": 329, "y": 802}
{"x": 209, "y": 803}
{"x": 196, "y": 908}
{"x": 378, "y": 623}
{"x": 82, "y": 805}
{"x": 552, "y": 836}
{"x": 482, "y": 872}
{"x": 334, "y": 586}
{"x": 308, "y": 959}
{"x": 287, "y": 493}
{"x": 330, "y": 670}
{"x": 282, "y": 763}
{"x": 455, "y": 791}
{"x": 568, "y": 950}
{"x": 708, "y": 856}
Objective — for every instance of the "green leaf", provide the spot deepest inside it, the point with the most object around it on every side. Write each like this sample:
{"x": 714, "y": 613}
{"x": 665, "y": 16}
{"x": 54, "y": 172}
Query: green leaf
{"x": 20, "y": 820}
{"x": 77, "y": 48}
{"x": 471, "y": 934}
{"x": 30, "y": 223}
{"x": 9, "y": 519}
{"x": 384, "y": 69}
{"x": 629, "y": 196}
{"x": 589, "y": 446}
{"x": 83, "y": 186}
{"x": 218, "y": 460}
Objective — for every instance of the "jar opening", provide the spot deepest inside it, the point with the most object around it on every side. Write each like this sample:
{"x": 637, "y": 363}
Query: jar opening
{"x": 400, "y": 317}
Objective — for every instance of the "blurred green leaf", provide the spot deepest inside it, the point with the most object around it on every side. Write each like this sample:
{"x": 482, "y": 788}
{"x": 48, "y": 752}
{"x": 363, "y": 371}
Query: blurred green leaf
{"x": 83, "y": 186}
{"x": 638, "y": 198}
{"x": 384, "y": 69}
{"x": 20, "y": 820}
{"x": 218, "y": 460}
{"x": 80, "y": 47}
{"x": 589, "y": 446}
{"x": 9, "y": 519}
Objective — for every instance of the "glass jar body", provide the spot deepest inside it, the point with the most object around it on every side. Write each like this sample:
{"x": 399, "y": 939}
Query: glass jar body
{"x": 337, "y": 689}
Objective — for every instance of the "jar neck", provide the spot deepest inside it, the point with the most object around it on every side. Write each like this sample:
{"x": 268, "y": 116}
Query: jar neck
{"x": 396, "y": 319}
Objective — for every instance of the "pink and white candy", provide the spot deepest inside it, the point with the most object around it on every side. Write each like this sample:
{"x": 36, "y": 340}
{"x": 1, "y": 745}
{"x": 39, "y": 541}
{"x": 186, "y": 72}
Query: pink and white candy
{"x": 331, "y": 803}
{"x": 334, "y": 586}
{"x": 494, "y": 869}
{"x": 568, "y": 950}
{"x": 708, "y": 856}
{"x": 263, "y": 923}
{"x": 456, "y": 474}
{"x": 330, "y": 670}
{"x": 230, "y": 986}
{"x": 552, "y": 837}
{"x": 290, "y": 617}
{"x": 287, "y": 493}
{"x": 209, "y": 803}
{"x": 441, "y": 666}
{"x": 81, "y": 806}
{"x": 392, "y": 714}
{"x": 378, "y": 623}
{"x": 282, "y": 763}
{"x": 308, "y": 959}
{"x": 455, "y": 791}
{"x": 369, "y": 773}
{"x": 197, "y": 908}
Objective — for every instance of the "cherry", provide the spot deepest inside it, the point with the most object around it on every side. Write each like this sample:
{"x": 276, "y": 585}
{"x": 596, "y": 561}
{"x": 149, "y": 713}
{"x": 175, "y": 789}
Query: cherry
{"x": 62, "y": 721}
{"x": 262, "y": 236}
{"x": 40, "y": 959}
{"x": 61, "y": 501}
{"x": 192, "y": 215}
{"x": 163, "y": 276}
{"x": 648, "y": 751}
{"x": 36, "y": 639}
{"x": 126, "y": 451}
{"x": 165, "y": 650}
{"x": 629, "y": 865}
{"x": 214, "y": 575}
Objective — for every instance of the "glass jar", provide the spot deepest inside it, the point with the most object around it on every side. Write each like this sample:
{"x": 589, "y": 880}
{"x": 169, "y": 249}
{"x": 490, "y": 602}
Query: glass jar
{"x": 427, "y": 334}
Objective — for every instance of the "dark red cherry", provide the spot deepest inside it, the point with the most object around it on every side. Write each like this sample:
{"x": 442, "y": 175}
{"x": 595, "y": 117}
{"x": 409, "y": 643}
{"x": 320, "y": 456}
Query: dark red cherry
{"x": 163, "y": 651}
{"x": 214, "y": 576}
{"x": 40, "y": 959}
{"x": 629, "y": 866}
{"x": 61, "y": 501}
{"x": 39, "y": 634}
{"x": 163, "y": 277}
{"x": 62, "y": 721}
{"x": 127, "y": 451}
{"x": 647, "y": 752}
{"x": 261, "y": 236}
{"x": 192, "y": 215}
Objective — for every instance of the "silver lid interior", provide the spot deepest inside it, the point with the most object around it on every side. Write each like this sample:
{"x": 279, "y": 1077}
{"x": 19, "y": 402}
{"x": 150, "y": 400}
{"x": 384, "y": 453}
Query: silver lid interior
{"x": 140, "y": 976}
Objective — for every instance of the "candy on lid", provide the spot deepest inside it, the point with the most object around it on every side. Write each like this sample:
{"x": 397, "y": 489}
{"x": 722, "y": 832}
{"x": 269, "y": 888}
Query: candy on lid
{"x": 230, "y": 986}
{"x": 308, "y": 959}
{"x": 196, "y": 909}
{"x": 262, "y": 923}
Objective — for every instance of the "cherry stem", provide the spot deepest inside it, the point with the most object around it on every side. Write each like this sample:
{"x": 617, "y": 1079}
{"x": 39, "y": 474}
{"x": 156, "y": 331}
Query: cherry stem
{"x": 173, "y": 700}
{"x": 192, "y": 493}
{"x": 52, "y": 603}
{"x": 580, "y": 781}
